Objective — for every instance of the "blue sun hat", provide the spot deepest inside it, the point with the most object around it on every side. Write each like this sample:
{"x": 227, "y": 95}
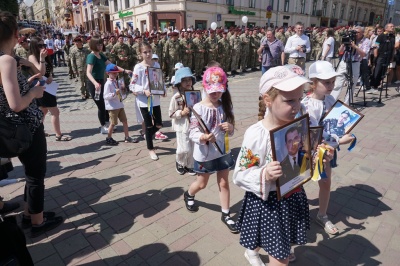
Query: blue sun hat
{"x": 183, "y": 72}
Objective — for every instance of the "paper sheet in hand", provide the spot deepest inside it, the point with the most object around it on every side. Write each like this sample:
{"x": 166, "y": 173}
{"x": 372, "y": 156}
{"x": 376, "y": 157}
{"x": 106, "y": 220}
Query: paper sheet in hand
{"x": 51, "y": 88}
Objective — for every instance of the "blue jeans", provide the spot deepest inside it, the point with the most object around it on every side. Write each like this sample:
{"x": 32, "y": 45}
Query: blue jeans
{"x": 265, "y": 69}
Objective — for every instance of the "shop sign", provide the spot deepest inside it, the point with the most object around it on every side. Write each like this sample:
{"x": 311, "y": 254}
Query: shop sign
{"x": 124, "y": 14}
{"x": 232, "y": 10}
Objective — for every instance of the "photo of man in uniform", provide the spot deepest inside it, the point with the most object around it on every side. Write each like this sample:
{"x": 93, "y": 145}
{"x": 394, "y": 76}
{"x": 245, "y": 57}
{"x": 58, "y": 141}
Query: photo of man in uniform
{"x": 192, "y": 97}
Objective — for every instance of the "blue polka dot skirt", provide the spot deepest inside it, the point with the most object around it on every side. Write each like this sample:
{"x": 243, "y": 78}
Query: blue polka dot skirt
{"x": 272, "y": 224}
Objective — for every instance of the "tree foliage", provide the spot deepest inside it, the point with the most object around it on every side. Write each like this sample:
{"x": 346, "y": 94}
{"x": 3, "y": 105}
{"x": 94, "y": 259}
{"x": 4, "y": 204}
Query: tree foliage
{"x": 9, "y": 5}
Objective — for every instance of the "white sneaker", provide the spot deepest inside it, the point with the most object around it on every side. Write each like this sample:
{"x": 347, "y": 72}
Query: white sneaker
{"x": 254, "y": 260}
{"x": 104, "y": 130}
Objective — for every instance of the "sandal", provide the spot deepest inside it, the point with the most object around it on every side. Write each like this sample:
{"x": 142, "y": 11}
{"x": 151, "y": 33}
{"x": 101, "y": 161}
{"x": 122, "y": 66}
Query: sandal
{"x": 131, "y": 140}
{"x": 189, "y": 202}
{"x": 63, "y": 138}
{"x": 328, "y": 226}
{"x": 227, "y": 220}
{"x": 292, "y": 257}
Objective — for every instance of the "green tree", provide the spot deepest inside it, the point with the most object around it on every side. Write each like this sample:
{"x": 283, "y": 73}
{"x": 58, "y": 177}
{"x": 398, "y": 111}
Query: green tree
{"x": 10, "y": 5}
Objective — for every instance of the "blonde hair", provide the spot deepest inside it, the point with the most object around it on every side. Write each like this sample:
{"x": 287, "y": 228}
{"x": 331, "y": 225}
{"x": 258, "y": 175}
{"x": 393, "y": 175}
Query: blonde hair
{"x": 262, "y": 108}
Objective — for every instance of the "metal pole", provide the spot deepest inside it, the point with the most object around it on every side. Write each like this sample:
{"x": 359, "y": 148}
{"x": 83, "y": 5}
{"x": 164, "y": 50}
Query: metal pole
{"x": 277, "y": 12}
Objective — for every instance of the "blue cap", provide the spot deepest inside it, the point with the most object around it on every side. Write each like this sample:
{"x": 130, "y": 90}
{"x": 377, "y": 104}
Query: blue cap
{"x": 183, "y": 72}
{"x": 111, "y": 68}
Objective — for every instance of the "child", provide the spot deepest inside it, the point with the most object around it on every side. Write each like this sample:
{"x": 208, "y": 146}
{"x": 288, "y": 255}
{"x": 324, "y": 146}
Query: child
{"x": 216, "y": 112}
{"x": 114, "y": 106}
{"x": 264, "y": 222}
{"x": 316, "y": 104}
{"x": 179, "y": 112}
{"x": 149, "y": 105}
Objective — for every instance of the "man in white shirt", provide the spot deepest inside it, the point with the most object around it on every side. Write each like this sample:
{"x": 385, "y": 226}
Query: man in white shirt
{"x": 297, "y": 46}
{"x": 58, "y": 45}
{"x": 50, "y": 49}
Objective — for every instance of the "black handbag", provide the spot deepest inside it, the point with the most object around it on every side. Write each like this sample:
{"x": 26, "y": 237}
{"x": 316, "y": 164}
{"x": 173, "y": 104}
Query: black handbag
{"x": 15, "y": 138}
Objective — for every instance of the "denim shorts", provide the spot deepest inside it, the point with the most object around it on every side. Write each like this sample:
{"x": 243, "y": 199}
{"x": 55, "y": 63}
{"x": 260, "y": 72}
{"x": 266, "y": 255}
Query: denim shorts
{"x": 209, "y": 167}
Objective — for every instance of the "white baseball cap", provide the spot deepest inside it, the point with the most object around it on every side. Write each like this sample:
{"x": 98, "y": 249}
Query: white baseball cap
{"x": 322, "y": 70}
{"x": 154, "y": 56}
{"x": 284, "y": 78}
{"x": 178, "y": 66}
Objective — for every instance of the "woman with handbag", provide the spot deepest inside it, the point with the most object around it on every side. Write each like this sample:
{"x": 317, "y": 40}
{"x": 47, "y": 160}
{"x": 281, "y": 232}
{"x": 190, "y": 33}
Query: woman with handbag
{"x": 38, "y": 57}
{"x": 17, "y": 106}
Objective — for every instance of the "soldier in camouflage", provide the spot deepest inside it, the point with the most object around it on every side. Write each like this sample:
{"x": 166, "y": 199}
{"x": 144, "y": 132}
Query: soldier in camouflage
{"x": 211, "y": 44}
{"x": 187, "y": 50}
{"x": 109, "y": 47}
{"x": 78, "y": 55}
{"x": 23, "y": 48}
{"x": 122, "y": 53}
{"x": 199, "y": 51}
{"x": 244, "y": 54}
{"x": 66, "y": 48}
{"x": 224, "y": 52}
{"x": 173, "y": 52}
{"x": 254, "y": 45}
{"x": 235, "y": 44}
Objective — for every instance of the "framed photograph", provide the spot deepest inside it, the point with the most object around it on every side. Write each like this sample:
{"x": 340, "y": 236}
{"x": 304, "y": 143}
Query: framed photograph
{"x": 156, "y": 81}
{"x": 291, "y": 147}
{"x": 123, "y": 92}
{"x": 338, "y": 121}
{"x": 192, "y": 97}
{"x": 315, "y": 137}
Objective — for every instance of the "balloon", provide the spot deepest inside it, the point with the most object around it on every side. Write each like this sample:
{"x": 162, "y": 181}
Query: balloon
{"x": 245, "y": 19}
{"x": 214, "y": 25}
{"x": 29, "y": 3}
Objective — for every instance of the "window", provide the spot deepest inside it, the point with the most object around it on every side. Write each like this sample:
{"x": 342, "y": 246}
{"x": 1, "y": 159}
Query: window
{"x": 252, "y": 3}
{"x": 286, "y": 7}
{"x": 303, "y": 6}
{"x": 342, "y": 8}
{"x": 333, "y": 13}
{"x": 115, "y": 6}
{"x": 127, "y": 5}
{"x": 324, "y": 7}
{"x": 358, "y": 14}
{"x": 314, "y": 7}
{"x": 365, "y": 14}
{"x": 230, "y": 2}
{"x": 141, "y": 2}
{"x": 351, "y": 12}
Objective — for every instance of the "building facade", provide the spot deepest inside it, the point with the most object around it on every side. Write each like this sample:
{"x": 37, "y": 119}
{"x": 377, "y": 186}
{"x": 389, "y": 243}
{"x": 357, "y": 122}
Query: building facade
{"x": 149, "y": 14}
{"x": 41, "y": 11}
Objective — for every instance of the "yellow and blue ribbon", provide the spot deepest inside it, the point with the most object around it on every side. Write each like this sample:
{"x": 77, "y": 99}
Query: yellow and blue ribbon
{"x": 319, "y": 169}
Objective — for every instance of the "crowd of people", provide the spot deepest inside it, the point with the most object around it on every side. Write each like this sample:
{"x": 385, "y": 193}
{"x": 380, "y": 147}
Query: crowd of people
{"x": 104, "y": 67}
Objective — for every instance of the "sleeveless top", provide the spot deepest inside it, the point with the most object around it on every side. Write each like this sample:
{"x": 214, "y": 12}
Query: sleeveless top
{"x": 32, "y": 115}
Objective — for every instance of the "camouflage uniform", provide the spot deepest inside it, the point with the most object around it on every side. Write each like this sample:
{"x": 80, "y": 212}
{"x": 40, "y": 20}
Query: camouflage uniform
{"x": 212, "y": 49}
{"x": 161, "y": 56}
{"x": 317, "y": 42}
{"x": 235, "y": 44}
{"x": 172, "y": 51}
{"x": 224, "y": 54}
{"x": 66, "y": 48}
{"x": 281, "y": 37}
{"x": 244, "y": 55}
{"x": 108, "y": 54}
{"x": 199, "y": 49}
{"x": 78, "y": 61}
{"x": 254, "y": 45}
{"x": 121, "y": 50}
{"x": 187, "y": 52}
{"x": 22, "y": 52}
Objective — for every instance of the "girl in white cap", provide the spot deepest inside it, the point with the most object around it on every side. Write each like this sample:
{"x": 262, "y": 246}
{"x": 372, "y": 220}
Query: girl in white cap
{"x": 317, "y": 103}
{"x": 264, "y": 221}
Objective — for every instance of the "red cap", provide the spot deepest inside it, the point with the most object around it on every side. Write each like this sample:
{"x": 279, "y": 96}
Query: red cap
{"x": 22, "y": 39}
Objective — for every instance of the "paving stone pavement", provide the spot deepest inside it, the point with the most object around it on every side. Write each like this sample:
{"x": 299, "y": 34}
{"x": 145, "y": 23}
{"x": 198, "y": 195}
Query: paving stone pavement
{"x": 121, "y": 208}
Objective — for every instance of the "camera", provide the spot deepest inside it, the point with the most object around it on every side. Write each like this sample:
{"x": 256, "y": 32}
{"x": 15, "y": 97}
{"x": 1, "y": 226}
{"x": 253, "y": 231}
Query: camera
{"x": 304, "y": 48}
{"x": 266, "y": 47}
{"x": 349, "y": 37}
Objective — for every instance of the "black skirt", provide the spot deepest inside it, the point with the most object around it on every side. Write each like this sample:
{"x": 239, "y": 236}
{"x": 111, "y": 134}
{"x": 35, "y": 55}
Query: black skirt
{"x": 47, "y": 100}
{"x": 274, "y": 225}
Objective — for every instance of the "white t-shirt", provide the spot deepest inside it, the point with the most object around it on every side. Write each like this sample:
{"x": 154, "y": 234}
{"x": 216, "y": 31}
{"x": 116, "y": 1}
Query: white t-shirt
{"x": 330, "y": 41}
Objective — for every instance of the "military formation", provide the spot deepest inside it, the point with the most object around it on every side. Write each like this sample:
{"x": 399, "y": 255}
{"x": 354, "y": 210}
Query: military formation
{"x": 235, "y": 49}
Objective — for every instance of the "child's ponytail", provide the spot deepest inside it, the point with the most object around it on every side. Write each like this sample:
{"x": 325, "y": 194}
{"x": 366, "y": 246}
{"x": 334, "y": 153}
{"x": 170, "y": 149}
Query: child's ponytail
{"x": 227, "y": 106}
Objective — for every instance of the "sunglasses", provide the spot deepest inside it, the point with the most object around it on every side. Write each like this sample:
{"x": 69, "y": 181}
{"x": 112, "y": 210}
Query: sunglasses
{"x": 42, "y": 45}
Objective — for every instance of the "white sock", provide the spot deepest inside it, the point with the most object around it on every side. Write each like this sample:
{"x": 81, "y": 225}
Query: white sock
{"x": 225, "y": 211}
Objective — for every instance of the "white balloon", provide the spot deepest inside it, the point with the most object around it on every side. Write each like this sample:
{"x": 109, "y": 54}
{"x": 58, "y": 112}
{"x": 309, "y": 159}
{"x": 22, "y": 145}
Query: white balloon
{"x": 214, "y": 25}
{"x": 245, "y": 19}
{"x": 29, "y": 3}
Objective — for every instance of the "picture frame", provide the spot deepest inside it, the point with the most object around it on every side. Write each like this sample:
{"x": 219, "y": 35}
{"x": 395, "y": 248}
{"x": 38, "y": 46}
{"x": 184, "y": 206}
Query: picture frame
{"x": 156, "y": 81}
{"x": 291, "y": 148}
{"x": 338, "y": 121}
{"x": 123, "y": 92}
{"x": 315, "y": 140}
{"x": 192, "y": 97}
